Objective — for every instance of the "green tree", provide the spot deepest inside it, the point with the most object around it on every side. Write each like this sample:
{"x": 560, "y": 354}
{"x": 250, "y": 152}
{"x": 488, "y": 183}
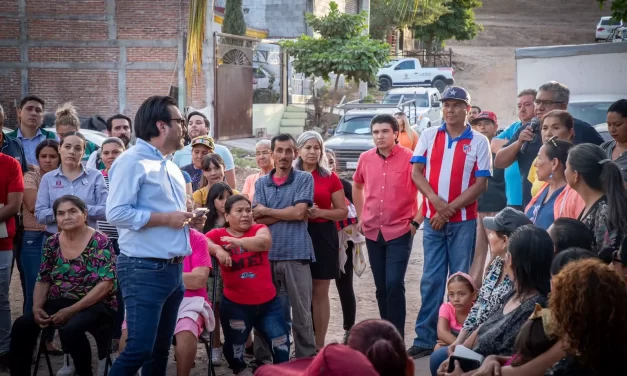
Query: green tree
{"x": 619, "y": 9}
{"x": 385, "y": 15}
{"x": 234, "y": 18}
{"x": 342, "y": 48}
{"x": 458, "y": 23}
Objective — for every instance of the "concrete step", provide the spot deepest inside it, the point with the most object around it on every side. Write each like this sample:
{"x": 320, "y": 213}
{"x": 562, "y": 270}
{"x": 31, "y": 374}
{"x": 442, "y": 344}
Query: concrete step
{"x": 292, "y": 122}
{"x": 295, "y": 115}
{"x": 295, "y": 109}
{"x": 294, "y": 131}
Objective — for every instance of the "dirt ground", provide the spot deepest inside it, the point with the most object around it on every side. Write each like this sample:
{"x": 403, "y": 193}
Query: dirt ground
{"x": 486, "y": 67}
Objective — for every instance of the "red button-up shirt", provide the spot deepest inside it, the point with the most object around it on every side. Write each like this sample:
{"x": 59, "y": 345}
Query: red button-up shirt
{"x": 390, "y": 196}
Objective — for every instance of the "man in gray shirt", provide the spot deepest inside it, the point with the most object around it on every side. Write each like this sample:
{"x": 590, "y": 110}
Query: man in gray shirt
{"x": 281, "y": 201}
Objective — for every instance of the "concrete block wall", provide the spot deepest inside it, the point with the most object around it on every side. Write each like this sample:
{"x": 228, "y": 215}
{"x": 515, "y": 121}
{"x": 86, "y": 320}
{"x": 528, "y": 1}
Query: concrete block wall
{"x": 106, "y": 56}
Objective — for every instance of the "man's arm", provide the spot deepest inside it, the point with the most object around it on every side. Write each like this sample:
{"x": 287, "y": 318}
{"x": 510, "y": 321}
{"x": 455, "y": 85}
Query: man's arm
{"x": 101, "y": 192}
{"x": 471, "y": 194}
{"x": 497, "y": 144}
{"x": 297, "y": 212}
{"x": 358, "y": 199}
{"x": 197, "y": 278}
{"x": 14, "y": 201}
{"x": 501, "y": 140}
{"x": 508, "y": 154}
{"x": 43, "y": 206}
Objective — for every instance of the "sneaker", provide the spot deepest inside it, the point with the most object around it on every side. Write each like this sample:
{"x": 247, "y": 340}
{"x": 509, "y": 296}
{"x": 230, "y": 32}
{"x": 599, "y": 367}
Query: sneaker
{"x": 416, "y": 352}
{"x": 101, "y": 367}
{"x": 245, "y": 372}
{"x": 68, "y": 367}
{"x": 216, "y": 357}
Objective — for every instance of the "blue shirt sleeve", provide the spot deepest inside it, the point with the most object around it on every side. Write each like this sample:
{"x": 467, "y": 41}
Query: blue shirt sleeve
{"x": 304, "y": 190}
{"x": 43, "y": 206}
{"x": 101, "y": 193}
{"x": 121, "y": 209}
{"x": 187, "y": 177}
{"x": 508, "y": 133}
{"x": 226, "y": 155}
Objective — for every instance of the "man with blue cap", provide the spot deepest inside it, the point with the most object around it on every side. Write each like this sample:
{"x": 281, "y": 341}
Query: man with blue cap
{"x": 451, "y": 167}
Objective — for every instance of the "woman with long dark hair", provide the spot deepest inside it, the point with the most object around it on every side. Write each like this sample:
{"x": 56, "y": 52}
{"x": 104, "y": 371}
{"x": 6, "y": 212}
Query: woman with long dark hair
{"x": 616, "y": 149}
{"x": 599, "y": 182}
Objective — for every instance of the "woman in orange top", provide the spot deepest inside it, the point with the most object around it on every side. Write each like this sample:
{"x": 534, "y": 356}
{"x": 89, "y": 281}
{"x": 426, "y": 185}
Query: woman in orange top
{"x": 407, "y": 137}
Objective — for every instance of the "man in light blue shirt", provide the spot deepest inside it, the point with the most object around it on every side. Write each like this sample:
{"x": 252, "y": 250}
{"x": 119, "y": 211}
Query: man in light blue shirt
{"x": 199, "y": 126}
{"x": 30, "y": 133}
{"x": 147, "y": 203}
{"x": 513, "y": 180}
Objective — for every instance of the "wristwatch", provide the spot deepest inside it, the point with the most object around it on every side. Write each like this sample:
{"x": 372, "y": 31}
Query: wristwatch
{"x": 415, "y": 224}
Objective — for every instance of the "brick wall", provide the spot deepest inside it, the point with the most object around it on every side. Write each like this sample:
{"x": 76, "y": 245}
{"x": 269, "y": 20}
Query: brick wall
{"x": 81, "y": 51}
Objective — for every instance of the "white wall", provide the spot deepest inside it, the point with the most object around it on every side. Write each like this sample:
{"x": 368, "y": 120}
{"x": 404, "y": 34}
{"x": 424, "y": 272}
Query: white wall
{"x": 267, "y": 116}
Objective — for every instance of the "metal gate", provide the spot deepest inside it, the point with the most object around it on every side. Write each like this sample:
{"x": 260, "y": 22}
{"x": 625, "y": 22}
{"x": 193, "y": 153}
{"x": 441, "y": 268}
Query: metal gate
{"x": 233, "y": 86}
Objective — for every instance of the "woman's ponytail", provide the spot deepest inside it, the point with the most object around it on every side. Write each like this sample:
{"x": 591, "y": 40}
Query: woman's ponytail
{"x": 614, "y": 190}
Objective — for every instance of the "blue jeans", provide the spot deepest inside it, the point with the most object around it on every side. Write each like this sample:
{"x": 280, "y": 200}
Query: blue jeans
{"x": 6, "y": 261}
{"x": 388, "y": 260}
{"x": 152, "y": 292}
{"x": 438, "y": 356}
{"x": 32, "y": 248}
{"x": 119, "y": 316}
{"x": 238, "y": 320}
{"x": 449, "y": 250}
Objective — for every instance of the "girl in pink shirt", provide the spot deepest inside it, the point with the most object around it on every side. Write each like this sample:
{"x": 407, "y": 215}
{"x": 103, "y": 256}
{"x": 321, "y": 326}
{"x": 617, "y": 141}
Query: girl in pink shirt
{"x": 462, "y": 293}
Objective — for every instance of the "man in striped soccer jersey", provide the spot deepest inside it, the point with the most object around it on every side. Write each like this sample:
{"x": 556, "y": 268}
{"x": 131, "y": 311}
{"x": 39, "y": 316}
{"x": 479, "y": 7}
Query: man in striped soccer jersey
{"x": 451, "y": 167}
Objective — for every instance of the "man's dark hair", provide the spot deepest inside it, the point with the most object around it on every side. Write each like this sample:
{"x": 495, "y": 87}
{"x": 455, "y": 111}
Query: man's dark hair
{"x": 282, "y": 137}
{"x": 531, "y": 250}
{"x": 194, "y": 113}
{"x": 569, "y": 255}
{"x": 115, "y": 117}
{"x": 31, "y": 98}
{"x": 153, "y": 109}
{"x": 568, "y": 233}
{"x": 477, "y": 107}
{"x": 385, "y": 119}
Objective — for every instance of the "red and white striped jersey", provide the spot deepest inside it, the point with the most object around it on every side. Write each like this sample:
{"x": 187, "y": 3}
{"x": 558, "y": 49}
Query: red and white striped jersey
{"x": 452, "y": 165}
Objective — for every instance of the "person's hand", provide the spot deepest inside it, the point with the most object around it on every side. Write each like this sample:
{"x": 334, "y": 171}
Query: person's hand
{"x": 490, "y": 367}
{"x": 413, "y": 232}
{"x": 62, "y": 316}
{"x": 313, "y": 212}
{"x": 437, "y": 222}
{"x": 359, "y": 227}
{"x": 451, "y": 349}
{"x": 526, "y": 135}
{"x": 179, "y": 219}
{"x": 457, "y": 371}
{"x": 443, "y": 368}
{"x": 441, "y": 343}
{"x": 224, "y": 258}
{"x": 442, "y": 207}
{"x": 198, "y": 222}
{"x": 232, "y": 242}
{"x": 259, "y": 211}
{"x": 41, "y": 317}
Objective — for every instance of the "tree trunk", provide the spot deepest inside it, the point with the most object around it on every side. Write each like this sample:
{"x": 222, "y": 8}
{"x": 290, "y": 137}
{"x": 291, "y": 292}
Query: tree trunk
{"x": 324, "y": 125}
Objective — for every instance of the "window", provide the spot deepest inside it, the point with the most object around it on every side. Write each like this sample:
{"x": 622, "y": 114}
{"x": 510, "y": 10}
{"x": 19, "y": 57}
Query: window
{"x": 409, "y": 64}
{"x": 421, "y": 99}
{"x": 258, "y": 73}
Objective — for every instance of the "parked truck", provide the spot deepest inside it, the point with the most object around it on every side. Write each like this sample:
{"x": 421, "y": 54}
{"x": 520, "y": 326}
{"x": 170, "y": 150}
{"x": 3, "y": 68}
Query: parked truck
{"x": 409, "y": 72}
{"x": 596, "y": 75}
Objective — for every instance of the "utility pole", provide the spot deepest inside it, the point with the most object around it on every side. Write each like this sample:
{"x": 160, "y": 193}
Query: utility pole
{"x": 364, "y": 5}
{"x": 209, "y": 66}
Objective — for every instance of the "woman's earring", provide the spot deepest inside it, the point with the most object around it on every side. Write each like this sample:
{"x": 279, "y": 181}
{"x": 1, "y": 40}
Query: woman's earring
{"x": 551, "y": 176}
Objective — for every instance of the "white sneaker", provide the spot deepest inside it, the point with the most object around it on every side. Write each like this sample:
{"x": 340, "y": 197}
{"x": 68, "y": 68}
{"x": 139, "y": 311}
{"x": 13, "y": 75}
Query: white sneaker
{"x": 68, "y": 367}
{"x": 216, "y": 356}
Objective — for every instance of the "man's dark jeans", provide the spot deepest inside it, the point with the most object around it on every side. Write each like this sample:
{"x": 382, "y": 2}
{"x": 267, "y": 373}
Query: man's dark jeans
{"x": 95, "y": 320}
{"x": 388, "y": 260}
{"x": 152, "y": 291}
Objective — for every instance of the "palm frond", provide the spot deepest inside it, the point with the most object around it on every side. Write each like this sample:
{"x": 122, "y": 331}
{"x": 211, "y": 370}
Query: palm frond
{"x": 195, "y": 39}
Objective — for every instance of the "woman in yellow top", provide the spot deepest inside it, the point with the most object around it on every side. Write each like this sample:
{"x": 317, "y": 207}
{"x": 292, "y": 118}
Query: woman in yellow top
{"x": 407, "y": 137}
{"x": 559, "y": 124}
{"x": 212, "y": 172}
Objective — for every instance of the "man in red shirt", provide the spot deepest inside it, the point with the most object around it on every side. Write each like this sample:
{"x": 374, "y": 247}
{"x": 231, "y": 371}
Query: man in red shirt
{"x": 386, "y": 202}
{"x": 11, "y": 192}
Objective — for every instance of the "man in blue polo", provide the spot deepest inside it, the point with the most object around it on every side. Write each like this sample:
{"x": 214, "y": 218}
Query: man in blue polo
{"x": 30, "y": 133}
{"x": 11, "y": 146}
{"x": 281, "y": 201}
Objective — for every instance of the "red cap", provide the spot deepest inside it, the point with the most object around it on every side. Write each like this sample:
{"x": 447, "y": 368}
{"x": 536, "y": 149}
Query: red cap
{"x": 333, "y": 360}
{"x": 485, "y": 115}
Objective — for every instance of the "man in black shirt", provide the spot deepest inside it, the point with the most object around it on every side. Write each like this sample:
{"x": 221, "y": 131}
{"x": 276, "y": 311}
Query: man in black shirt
{"x": 492, "y": 201}
{"x": 551, "y": 96}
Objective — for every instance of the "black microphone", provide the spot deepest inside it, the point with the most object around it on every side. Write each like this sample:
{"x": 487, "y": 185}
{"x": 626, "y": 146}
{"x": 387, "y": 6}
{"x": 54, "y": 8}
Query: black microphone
{"x": 534, "y": 125}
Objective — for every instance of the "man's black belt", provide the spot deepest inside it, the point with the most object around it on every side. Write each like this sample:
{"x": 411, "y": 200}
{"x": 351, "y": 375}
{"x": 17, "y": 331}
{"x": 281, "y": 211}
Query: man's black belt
{"x": 173, "y": 260}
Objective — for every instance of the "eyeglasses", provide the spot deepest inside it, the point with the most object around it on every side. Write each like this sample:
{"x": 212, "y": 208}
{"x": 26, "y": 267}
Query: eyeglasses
{"x": 552, "y": 140}
{"x": 539, "y": 102}
{"x": 180, "y": 122}
{"x": 615, "y": 258}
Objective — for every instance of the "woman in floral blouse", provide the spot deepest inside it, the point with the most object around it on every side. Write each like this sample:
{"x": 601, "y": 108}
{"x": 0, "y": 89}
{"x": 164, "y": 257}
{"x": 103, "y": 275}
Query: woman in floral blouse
{"x": 599, "y": 182}
{"x": 75, "y": 291}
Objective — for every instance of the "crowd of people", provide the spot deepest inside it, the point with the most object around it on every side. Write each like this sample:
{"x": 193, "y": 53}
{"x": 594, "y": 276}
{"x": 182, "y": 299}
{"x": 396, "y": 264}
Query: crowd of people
{"x": 151, "y": 245}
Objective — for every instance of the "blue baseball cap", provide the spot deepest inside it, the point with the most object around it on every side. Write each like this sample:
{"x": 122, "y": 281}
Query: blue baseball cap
{"x": 456, "y": 93}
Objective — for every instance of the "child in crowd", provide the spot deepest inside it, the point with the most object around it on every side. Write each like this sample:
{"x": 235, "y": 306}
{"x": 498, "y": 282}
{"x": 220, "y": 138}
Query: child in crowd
{"x": 534, "y": 338}
{"x": 462, "y": 293}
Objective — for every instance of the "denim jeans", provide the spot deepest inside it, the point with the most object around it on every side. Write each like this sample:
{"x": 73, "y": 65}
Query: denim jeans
{"x": 438, "y": 356}
{"x": 152, "y": 292}
{"x": 447, "y": 251}
{"x": 119, "y": 316}
{"x": 388, "y": 260}
{"x": 6, "y": 261}
{"x": 238, "y": 320}
{"x": 30, "y": 258}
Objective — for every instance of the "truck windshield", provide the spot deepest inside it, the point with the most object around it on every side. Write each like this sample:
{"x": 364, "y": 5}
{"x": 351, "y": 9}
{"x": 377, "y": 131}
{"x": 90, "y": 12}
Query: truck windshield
{"x": 421, "y": 99}
{"x": 355, "y": 125}
{"x": 389, "y": 63}
{"x": 592, "y": 113}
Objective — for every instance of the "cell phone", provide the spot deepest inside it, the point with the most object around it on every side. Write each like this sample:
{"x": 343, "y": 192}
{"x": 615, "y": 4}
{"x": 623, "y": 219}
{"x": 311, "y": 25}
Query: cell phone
{"x": 466, "y": 364}
{"x": 199, "y": 212}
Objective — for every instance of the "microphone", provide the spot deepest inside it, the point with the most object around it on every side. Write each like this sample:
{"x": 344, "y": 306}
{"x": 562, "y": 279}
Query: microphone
{"x": 534, "y": 125}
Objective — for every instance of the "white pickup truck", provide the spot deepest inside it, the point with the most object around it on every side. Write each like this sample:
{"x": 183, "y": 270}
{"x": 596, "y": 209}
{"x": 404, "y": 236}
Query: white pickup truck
{"x": 409, "y": 72}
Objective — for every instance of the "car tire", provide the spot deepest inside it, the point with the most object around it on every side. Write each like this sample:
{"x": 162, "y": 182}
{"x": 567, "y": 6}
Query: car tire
{"x": 439, "y": 84}
{"x": 385, "y": 84}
